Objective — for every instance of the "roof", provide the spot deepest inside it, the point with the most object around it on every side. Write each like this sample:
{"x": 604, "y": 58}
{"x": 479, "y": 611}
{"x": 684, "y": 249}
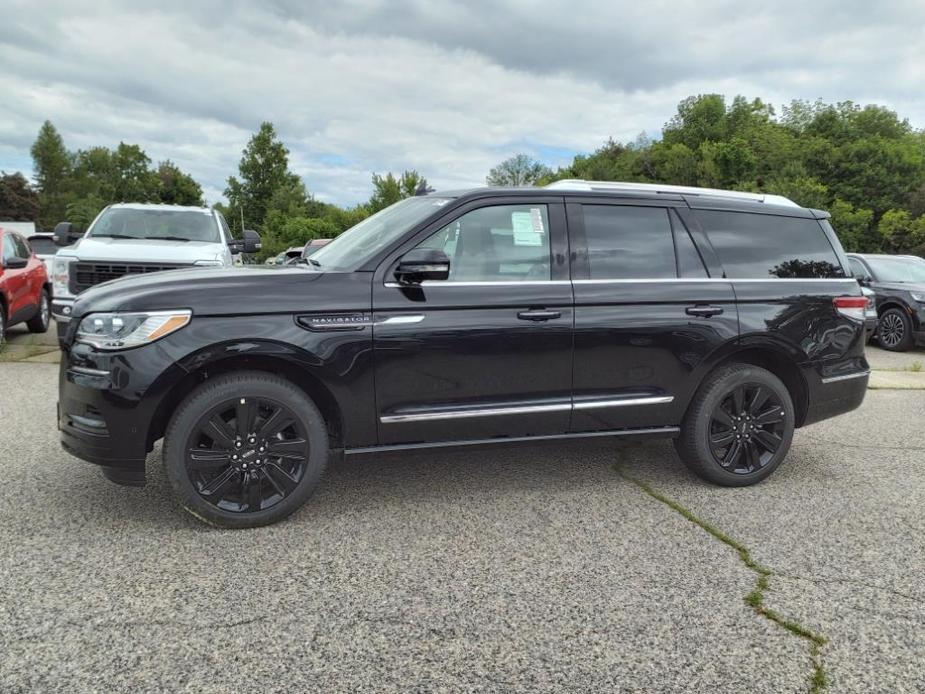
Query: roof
{"x": 158, "y": 206}
{"x": 621, "y": 186}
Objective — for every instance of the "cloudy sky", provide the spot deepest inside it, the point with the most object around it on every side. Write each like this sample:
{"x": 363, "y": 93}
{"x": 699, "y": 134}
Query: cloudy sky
{"x": 444, "y": 87}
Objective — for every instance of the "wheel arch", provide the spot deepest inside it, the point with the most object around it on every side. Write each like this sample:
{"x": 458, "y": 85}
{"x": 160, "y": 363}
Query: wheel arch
{"x": 276, "y": 365}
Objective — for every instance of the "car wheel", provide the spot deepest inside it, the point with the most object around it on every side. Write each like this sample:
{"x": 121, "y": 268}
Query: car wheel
{"x": 245, "y": 449}
{"x": 2, "y": 324}
{"x": 39, "y": 322}
{"x": 894, "y": 331}
{"x": 739, "y": 426}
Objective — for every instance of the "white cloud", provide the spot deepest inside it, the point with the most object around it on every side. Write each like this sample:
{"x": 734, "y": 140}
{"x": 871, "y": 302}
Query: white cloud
{"x": 446, "y": 88}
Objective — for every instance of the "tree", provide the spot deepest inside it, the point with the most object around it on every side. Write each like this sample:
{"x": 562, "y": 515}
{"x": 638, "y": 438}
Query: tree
{"x": 387, "y": 190}
{"x": 519, "y": 170}
{"x": 263, "y": 170}
{"x": 175, "y": 187}
{"x": 51, "y": 164}
{"x": 18, "y": 200}
{"x": 853, "y": 227}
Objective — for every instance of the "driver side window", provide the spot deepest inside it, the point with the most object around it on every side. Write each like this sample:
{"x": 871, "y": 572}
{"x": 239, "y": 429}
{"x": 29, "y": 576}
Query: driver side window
{"x": 503, "y": 243}
{"x": 9, "y": 250}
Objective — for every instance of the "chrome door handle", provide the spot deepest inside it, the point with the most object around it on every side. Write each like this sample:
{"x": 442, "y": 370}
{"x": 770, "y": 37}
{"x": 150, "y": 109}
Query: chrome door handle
{"x": 538, "y": 314}
{"x": 704, "y": 311}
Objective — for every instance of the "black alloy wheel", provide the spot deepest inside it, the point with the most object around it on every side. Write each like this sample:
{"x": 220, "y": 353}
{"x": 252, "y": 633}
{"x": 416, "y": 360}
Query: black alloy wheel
{"x": 894, "y": 331}
{"x": 245, "y": 449}
{"x": 747, "y": 428}
{"x": 247, "y": 454}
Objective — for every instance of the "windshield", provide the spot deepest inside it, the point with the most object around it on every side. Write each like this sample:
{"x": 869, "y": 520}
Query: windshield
{"x": 170, "y": 225}
{"x": 352, "y": 248}
{"x": 897, "y": 269}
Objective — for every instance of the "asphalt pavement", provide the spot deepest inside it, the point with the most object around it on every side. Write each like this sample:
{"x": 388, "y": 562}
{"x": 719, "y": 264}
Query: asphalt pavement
{"x": 530, "y": 569}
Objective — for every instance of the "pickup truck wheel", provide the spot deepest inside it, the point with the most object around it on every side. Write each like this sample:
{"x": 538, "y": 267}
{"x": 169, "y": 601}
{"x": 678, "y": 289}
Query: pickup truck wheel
{"x": 739, "y": 426}
{"x": 894, "y": 331}
{"x": 245, "y": 449}
{"x": 39, "y": 322}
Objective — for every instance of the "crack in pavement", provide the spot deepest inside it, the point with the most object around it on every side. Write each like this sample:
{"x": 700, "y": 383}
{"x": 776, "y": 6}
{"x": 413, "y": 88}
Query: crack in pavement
{"x": 818, "y": 680}
{"x": 823, "y": 580}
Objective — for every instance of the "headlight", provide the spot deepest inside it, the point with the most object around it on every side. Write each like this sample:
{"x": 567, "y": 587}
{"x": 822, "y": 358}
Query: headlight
{"x": 60, "y": 275}
{"x": 919, "y": 296}
{"x": 115, "y": 331}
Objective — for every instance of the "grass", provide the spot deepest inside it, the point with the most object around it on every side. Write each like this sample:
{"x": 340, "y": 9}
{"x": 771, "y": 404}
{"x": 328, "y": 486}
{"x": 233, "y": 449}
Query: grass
{"x": 915, "y": 366}
{"x": 818, "y": 680}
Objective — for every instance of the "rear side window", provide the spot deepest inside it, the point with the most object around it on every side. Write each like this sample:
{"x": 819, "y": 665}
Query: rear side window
{"x": 758, "y": 246}
{"x": 629, "y": 242}
{"x": 43, "y": 245}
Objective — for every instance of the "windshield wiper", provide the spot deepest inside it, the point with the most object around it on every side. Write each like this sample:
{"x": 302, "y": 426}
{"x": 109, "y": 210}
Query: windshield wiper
{"x": 111, "y": 236}
{"x": 168, "y": 238}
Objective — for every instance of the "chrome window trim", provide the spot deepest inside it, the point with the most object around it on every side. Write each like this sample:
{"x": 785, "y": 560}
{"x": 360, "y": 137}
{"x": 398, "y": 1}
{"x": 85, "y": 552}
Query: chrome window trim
{"x": 715, "y": 279}
{"x": 521, "y": 409}
{"x": 499, "y": 283}
{"x": 845, "y": 377}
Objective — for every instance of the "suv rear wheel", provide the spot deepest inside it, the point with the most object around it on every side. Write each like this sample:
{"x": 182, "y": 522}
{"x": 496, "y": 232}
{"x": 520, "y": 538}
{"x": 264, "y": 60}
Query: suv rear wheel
{"x": 739, "y": 426}
{"x": 245, "y": 449}
{"x": 39, "y": 322}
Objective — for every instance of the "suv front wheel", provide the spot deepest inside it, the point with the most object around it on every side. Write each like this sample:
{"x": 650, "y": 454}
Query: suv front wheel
{"x": 739, "y": 426}
{"x": 245, "y": 449}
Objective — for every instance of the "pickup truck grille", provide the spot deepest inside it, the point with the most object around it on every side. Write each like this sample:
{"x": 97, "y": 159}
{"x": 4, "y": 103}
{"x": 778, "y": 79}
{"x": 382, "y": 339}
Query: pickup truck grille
{"x": 86, "y": 275}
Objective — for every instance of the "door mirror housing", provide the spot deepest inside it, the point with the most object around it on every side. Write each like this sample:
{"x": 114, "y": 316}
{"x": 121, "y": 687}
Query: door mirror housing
{"x": 16, "y": 263}
{"x": 863, "y": 280}
{"x": 421, "y": 264}
{"x": 64, "y": 233}
{"x": 250, "y": 243}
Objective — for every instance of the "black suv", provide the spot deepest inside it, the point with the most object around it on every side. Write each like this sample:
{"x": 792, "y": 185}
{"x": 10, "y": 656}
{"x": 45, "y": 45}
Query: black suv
{"x": 898, "y": 283}
{"x": 488, "y": 316}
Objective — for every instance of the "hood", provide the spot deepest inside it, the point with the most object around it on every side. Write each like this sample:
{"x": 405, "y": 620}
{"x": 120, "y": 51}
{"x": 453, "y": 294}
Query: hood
{"x": 916, "y": 287}
{"x": 208, "y": 291}
{"x": 144, "y": 250}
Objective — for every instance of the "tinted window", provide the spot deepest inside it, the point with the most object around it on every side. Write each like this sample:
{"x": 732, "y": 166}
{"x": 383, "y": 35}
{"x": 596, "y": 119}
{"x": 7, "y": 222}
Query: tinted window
{"x": 19, "y": 244}
{"x": 505, "y": 243}
{"x": 43, "y": 245}
{"x": 762, "y": 245}
{"x": 857, "y": 268}
{"x": 629, "y": 242}
{"x": 9, "y": 250}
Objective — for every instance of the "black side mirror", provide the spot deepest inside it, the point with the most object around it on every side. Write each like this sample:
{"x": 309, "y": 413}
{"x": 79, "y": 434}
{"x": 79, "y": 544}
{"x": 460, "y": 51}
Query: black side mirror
{"x": 249, "y": 244}
{"x": 421, "y": 264}
{"x": 16, "y": 263}
{"x": 863, "y": 280}
{"x": 64, "y": 231}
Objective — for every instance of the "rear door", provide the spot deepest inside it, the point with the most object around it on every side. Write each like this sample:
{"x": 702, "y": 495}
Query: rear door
{"x": 647, "y": 312}
{"x": 488, "y": 352}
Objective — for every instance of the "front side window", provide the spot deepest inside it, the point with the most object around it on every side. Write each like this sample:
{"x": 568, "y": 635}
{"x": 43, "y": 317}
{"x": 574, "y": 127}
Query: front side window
{"x": 630, "y": 242}
{"x": 761, "y": 246}
{"x": 21, "y": 247}
{"x": 9, "y": 250}
{"x": 169, "y": 225}
{"x": 504, "y": 243}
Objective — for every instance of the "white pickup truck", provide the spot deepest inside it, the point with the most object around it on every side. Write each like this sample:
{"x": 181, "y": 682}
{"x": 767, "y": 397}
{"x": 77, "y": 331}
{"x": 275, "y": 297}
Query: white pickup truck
{"x": 134, "y": 238}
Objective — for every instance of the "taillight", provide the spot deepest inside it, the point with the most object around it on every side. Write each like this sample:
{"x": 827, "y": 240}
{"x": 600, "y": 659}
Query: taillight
{"x": 851, "y": 306}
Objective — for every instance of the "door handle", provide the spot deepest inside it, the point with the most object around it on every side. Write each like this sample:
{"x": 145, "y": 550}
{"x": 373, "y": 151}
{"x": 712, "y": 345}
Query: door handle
{"x": 539, "y": 314}
{"x": 704, "y": 311}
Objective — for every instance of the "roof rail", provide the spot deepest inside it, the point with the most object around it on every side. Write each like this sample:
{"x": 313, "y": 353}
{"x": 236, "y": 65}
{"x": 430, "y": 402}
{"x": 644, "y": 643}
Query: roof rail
{"x": 578, "y": 184}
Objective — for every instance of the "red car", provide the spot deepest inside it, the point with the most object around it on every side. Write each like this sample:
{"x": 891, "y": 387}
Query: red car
{"x": 25, "y": 293}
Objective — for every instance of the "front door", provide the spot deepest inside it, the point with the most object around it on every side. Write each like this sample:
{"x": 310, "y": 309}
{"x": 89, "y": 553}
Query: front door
{"x": 647, "y": 313}
{"x": 488, "y": 352}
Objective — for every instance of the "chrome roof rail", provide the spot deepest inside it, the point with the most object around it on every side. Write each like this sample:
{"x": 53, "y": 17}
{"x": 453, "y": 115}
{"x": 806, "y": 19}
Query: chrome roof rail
{"x": 578, "y": 184}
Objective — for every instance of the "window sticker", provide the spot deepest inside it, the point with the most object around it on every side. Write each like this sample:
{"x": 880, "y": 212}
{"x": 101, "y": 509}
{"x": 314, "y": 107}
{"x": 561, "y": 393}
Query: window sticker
{"x": 526, "y": 230}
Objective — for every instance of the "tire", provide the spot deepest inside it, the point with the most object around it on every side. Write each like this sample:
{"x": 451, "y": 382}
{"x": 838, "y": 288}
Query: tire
{"x": 894, "y": 331}
{"x": 766, "y": 422}
{"x": 40, "y": 321}
{"x": 2, "y": 324}
{"x": 202, "y": 438}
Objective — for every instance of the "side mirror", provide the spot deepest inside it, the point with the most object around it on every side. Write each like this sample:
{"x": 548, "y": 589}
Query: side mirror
{"x": 421, "y": 264}
{"x": 63, "y": 233}
{"x": 16, "y": 263}
{"x": 863, "y": 280}
{"x": 249, "y": 244}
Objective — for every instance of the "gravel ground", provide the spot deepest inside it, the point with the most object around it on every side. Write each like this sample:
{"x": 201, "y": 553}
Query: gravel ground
{"x": 521, "y": 570}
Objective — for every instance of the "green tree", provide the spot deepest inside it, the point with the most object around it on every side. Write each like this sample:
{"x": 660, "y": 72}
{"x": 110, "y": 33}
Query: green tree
{"x": 173, "y": 187}
{"x": 854, "y": 227}
{"x": 519, "y": 170}
{"x": 899, "y": 231}
{"x": 18, "y": 200}
{"x": 51, "y": 164}
{"x": 263, "y": 170}
{"x": 387, "y": 190}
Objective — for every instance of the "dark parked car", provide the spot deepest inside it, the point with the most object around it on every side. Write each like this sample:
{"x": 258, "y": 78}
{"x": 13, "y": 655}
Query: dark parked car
{"x": 898, "y": 283}
{"x": 25, "y": 293}
{"x": 483, "y": 317}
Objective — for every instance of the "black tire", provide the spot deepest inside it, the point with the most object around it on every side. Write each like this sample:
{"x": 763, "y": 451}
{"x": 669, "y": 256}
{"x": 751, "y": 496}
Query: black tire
{"x": 232, "y": 503}
{"x": 710, "y": 419}
{"x": 894, "y": 331}
{"x": 2, "y": 324}
{"x": 42, "y": 318}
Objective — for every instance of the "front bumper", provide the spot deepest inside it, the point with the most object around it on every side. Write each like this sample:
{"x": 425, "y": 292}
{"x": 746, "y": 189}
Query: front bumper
{"x": 61, "y": 308}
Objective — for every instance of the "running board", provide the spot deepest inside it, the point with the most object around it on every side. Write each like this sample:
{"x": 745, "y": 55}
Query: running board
{"x": 652, "y": 432}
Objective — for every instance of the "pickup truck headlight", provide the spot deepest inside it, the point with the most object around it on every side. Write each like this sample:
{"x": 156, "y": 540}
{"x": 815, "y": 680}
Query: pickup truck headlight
{"x": 60, "y": 275}
{"x": 115, "y": 331}
{"x": 919, "y": 296}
